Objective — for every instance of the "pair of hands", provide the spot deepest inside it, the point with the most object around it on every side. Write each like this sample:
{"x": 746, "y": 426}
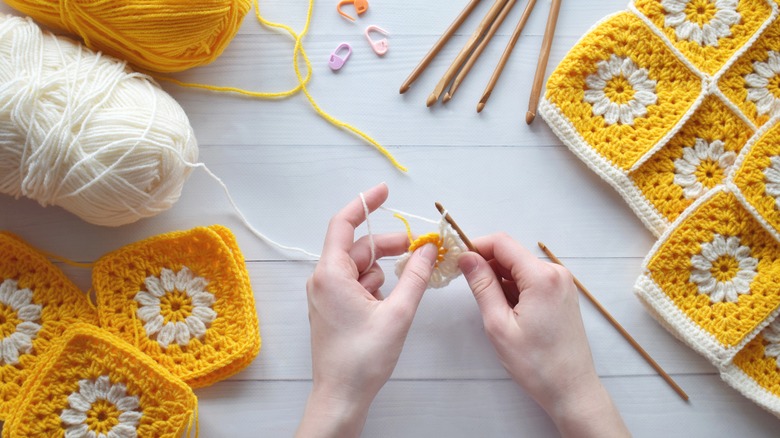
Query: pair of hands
{"x": 530, "y": 311}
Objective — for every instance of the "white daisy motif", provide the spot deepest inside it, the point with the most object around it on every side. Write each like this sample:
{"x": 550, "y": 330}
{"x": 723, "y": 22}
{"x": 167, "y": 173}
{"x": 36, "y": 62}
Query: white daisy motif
{"x": 702, "y": 167}
{"x": 620, "y": 91}
{"x": 763, "y": 85}
{"x": 19, "y": 322}
{"x": 446, "y": 268}
{"x": 723, "y": 269}
{"x": 175, "y": 307}
{"x": 703, "y": 22}
{"x": 771, "y": 335}
{"x": 100, "y": 409}
{"x": 772, "y": 179}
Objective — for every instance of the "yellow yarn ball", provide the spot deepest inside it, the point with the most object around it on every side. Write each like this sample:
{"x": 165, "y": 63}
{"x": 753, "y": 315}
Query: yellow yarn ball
{"x": 157, "y": 35}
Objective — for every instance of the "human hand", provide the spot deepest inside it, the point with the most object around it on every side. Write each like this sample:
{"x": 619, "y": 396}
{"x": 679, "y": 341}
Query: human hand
{"x": 356, "y": 335}
{"x": 532, "y": 317}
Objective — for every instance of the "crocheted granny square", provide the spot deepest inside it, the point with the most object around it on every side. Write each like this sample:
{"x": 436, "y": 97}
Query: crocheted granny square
{"x": 183, "y": 298}
{"x": 712, "y": 279}
{"x": 660, "y": 99}
{"x": 755, "y": 371}
{"x": 91, "y": 383}
{"x": 37, "y": 304}
{"x": 758, "y": 176}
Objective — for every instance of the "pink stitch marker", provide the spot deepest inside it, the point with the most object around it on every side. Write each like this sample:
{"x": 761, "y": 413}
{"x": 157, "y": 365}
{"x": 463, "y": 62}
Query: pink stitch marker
{"x": 379, "y": 46}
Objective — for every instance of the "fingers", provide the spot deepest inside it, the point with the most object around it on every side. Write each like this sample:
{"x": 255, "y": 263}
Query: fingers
{"x": 372, "y": 280}
{"x": 414, "y": 280}
{"x": 510, "y": 256}
{"x": 341, "y": 230}
{"x": 487, "y": 288}
{"x": 384, "y": 245}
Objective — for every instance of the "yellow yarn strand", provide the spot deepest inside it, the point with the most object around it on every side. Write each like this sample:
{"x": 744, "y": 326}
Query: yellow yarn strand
{"x": 408, "y": 227}
{"x": 298, "y": 51}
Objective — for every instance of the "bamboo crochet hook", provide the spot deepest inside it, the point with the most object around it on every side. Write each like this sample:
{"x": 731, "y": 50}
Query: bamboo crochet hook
{"x": 457, "y": 229}
{"x": 438, "y": 46}
{"x": 478, "y": 51}
{"x": 476, "y": 37}
{"x": 505, "y": 56}
{"x": 544, "y": 56}
{"x": 620, "y": 328}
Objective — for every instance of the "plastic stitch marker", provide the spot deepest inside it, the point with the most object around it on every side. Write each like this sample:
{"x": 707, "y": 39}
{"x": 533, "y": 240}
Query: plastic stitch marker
{"x": 360, "y": 7}
{"x": 336, "y": 62}
{"x": 379, "y": 46}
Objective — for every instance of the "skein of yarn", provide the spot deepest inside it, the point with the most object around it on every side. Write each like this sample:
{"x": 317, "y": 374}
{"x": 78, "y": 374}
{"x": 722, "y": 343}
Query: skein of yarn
{"x": 161, "y": 35}
{"x": 78, "y": 129}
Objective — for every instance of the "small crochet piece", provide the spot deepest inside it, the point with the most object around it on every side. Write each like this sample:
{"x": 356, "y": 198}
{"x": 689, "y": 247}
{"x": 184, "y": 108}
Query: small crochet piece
{"x": 676, "y": 104}
{"x": 449, "y": 245}
{"x": 37, "y": 304}
{"x": 93, "y": 384}
{"x": 184, "y": 299}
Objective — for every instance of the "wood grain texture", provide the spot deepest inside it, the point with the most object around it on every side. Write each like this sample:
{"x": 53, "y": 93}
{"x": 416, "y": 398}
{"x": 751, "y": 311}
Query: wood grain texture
{"x": 289, "y": 171}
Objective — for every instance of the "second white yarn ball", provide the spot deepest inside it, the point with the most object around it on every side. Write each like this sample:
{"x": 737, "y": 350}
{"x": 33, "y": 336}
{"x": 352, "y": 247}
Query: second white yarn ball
{"x": 79, "y": 130}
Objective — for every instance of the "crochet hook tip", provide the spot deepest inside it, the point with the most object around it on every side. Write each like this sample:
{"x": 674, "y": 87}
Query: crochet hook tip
{"x": 404, "y": 88}
{"x": 446, "y": 98}
{"x": 529, "y": 117}
{"x": 431, "y": 100}
{"x": 480, "y": 107}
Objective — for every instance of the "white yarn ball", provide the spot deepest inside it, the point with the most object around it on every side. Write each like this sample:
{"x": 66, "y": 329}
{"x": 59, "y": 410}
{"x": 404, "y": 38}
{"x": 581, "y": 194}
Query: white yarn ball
{"x": 78, "y": 129}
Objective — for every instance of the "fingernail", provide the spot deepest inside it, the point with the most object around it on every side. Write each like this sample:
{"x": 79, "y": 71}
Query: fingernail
{"x": 429, "y": 252}
{"x": 467, "y": 263}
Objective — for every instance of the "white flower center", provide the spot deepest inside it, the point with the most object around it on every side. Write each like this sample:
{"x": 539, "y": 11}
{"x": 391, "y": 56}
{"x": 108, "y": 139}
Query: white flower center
{"x": 175, "y": 307}
{"x": 723, "y": 269}
{"x": 703, "y": 22}
{"x": 620, "y": 91}
{"x": 702, "y": 166}
{"x": 19, "y": 322}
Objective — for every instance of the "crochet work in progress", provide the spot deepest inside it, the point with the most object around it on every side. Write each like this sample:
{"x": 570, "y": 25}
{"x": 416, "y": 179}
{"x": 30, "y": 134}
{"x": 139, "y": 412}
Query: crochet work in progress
{"x": 184, "y": 299}
{"x": 92, "y": 384}
{"x": 37, "y": 304}
{"x": 449, "y": 247}
{"x": 676, "y": 104}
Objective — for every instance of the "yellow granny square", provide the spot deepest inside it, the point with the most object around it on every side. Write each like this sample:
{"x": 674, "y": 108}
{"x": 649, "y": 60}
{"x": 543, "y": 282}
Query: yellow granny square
{"x": 753, "y": 82}
{"x": 755, "y": 371}
{"x": 707, "y": 32}
{"x": 91, "y": 383}
{"x": 712, "y": 278}
{"x": 698, "y": 158}
{"x": 37, "y": 304}
{"x": 758, "y": 176}
{"x": 184, "y": 299}
{"x": 619, "y": 94}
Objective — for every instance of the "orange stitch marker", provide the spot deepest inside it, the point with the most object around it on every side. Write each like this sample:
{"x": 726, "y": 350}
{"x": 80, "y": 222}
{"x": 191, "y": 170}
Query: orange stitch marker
{"x": 361, "y": 6}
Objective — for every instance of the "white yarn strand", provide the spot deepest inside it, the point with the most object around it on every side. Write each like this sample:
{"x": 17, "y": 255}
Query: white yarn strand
{"x": 371, "y": 245}
{"x": 79, "y": 130}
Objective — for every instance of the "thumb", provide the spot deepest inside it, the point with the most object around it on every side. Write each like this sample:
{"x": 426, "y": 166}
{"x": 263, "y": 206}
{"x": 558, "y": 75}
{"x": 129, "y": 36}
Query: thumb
{"x": 414, "y": 279}
{"x": 485, "y": 286}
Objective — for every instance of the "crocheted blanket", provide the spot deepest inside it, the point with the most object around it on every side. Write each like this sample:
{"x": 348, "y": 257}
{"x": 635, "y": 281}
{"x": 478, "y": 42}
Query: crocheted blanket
{"x": 676, "y": 104}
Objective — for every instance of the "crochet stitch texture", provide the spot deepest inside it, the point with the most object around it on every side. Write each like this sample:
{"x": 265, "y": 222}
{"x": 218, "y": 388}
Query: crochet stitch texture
{"x": 676, "y": 104}
{"x": 37, "y": 304}
{"x": 91, "y": 383}
{"x": 184, "y": 299}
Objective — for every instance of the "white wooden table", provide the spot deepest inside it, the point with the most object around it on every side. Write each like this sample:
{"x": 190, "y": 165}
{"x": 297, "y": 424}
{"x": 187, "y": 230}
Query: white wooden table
{"x": 289, "y": 171}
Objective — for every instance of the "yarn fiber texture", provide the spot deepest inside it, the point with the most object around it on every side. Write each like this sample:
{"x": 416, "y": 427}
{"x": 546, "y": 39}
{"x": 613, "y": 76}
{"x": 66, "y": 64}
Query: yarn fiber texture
{"x": 80, "y": 130}
{"x": 160, "y": 35}
{"x": 676, "y": 104}
{"x": 91, "y": 383}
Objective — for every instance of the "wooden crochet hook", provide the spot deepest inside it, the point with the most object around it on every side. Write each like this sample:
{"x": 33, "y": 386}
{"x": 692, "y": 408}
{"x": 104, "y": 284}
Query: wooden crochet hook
{"x": 544, "y": 56}
{"x": 457, "y": 229}
{"x": 620, "y": 328}
{"x": 438, "y": 46}
{"x": 475, "y": 38}
{"x": 505, "y": 56}
{"x": 478, "y": 51}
